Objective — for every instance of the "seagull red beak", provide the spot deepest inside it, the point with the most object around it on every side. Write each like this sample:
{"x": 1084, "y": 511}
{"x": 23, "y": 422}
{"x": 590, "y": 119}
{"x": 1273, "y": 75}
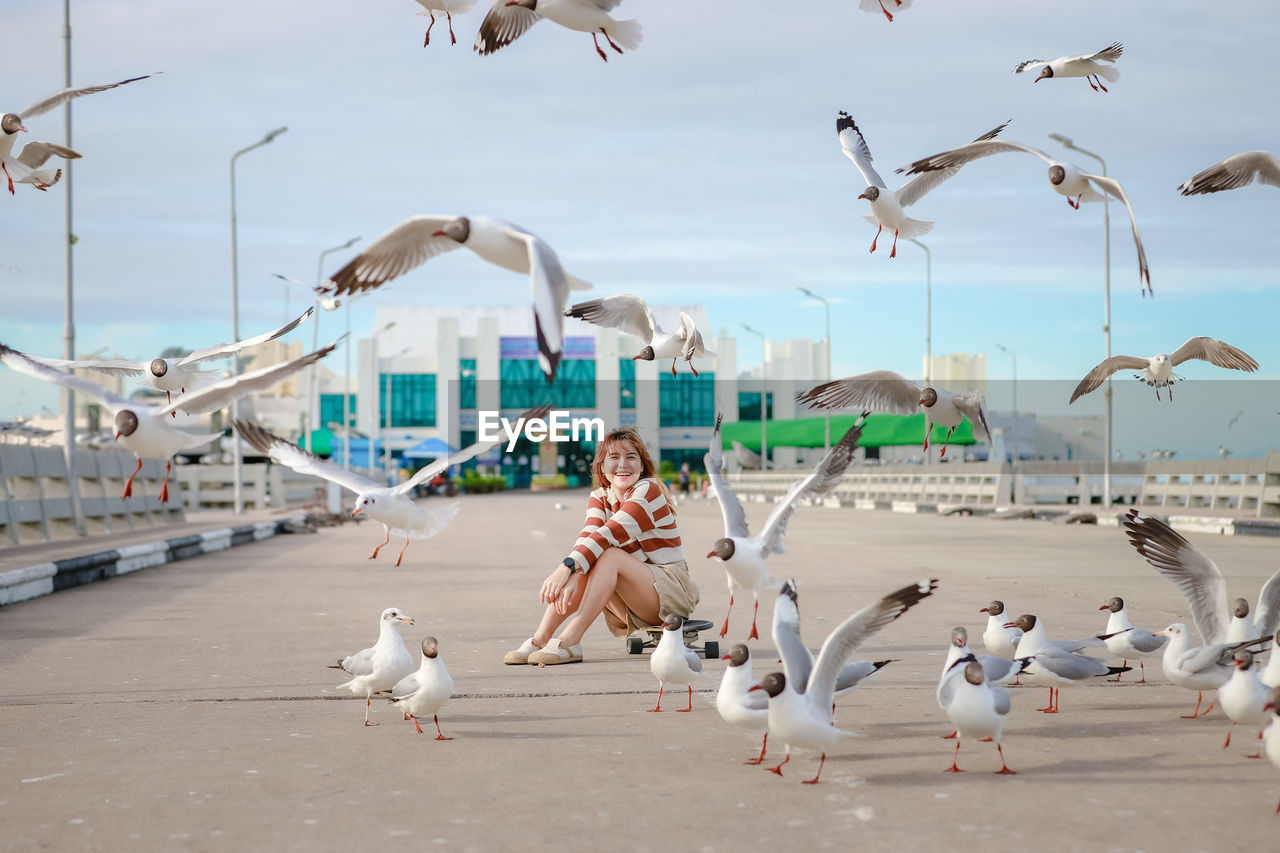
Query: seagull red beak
{"x": 712, "y": 554}
{"x": 441, "y": 233}
{"x": 726, "y": 657}
{"x": 1011, "y": 624}
{"x": 864, "y": 195}
{"x": 355, "y": 512}
{"x": 754, "y": 687}
{"x": 1103, "y": 607}
{"x": 984, "y": 610}
{"x": 117, "y": 438}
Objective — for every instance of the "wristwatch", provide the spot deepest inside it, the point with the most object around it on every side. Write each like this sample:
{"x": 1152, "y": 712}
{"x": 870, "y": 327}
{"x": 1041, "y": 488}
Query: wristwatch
{"x": 571, "y": 564}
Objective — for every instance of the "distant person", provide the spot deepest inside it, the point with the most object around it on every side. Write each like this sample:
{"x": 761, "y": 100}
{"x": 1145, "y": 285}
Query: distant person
{"x": 627, "y": 563}
{"x": 684, "y": 479}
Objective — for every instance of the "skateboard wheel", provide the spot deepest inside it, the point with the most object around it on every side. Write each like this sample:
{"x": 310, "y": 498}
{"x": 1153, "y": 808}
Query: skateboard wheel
{"x": 635, "y": 645}
{"x": 712, "y": 650}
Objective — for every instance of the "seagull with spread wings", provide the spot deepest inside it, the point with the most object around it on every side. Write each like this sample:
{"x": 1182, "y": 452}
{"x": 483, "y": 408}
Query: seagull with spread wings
{"x": 1235, "y": 172}
{"x": 146, "y": 430}
{"x": 510, "y": 19}
{"x": 887, "y": 205}
{"x": 391, "y": 506}
{"x": 1086, "y": 65}
{"x": 1065, "y": 179}
{"x": 886, "y": 391}
{"x": 419, "y": 238}
{"x": 742, "y": 556}
{"x": 632, "y": 315}
{"x": 1157, "y": 371}
{"x": 25, "y": 168}
{"x": 174, "y": 374}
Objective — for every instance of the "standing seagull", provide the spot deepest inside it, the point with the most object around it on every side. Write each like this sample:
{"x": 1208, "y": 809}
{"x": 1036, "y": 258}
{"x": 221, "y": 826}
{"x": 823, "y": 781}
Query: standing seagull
{"x": 1198, "y": 668}
{"x": 1087, "y": 65}
{"x": 1243, "y": 697}
{"x": 672, "y": 662}
{"x": 886, "y": 205}
{"x": 632, "y": 315}
{"x": 737, "y": 703}
{"x": 392, "y": 506}
{"x": 1235, "y": 172}
{"x": 1127, "y": 641}
{"x": 1202, "y": 584}
{"x": 430, "y": 7}
{"x": 509, "y": 19}
{"x": 1157, "y": 371}
{"x": 1056, "y": 662}
{"x": 1065, "y": 179}
{"x": 879, "y": 6}
{"x": 999, "y": 639}
{"x": 996, "y": 670}
{"x": 23, "y": 168}
{"x": 420, "y": 238}
{"x": 976, "y": 707}
{"x": 742, "y": 556}
{"x": 381, "y": 666}
{"x": 886, "y": 391}
{"x": 174, "y": 374}
{"x": 800, "y": 714}
{"x": 146, "y": 430}
{"x": 425, "y": 691}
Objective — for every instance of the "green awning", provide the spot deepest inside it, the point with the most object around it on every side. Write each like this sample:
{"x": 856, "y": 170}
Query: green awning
{"x": 878, "y": 431}
{"x": 321, "y": 442}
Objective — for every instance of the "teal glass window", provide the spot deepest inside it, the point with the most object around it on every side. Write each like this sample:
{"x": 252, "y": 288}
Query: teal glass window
{"x": 466, "y": 383}
{"x": 331, "y": 410}
{"x": 749, "y": 405}
{"x": 413, "y": 399}
{"x": 686, "y": 400}
{"x": 626, "y": 383}
{"x": 524, "y": 385}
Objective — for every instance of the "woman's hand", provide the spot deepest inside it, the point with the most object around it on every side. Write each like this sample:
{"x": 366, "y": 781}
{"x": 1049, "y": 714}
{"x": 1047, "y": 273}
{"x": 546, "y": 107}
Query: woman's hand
{"x": 554, "y": 585}
{"x": 564, "y": 602}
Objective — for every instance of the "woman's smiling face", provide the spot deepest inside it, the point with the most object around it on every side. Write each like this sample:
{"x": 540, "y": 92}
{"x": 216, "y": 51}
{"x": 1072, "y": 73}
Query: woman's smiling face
{"x": 622, "y": 466}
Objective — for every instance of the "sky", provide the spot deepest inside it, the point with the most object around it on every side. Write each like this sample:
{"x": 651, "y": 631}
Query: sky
{"x": 703, "y": 166}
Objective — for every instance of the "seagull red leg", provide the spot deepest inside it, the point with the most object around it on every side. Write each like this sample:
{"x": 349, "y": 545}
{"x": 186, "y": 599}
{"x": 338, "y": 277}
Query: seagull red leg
{"x": 763, "y": 746}
{"x": 439, "y": 734}
{"x": 658, "y": 707}
{"x": 7, "y": 175}
{"x": 400, "y": 556}
{"x": 452, "y": 40}
{"x": 1048, "y": 708}
{"x": 1124, "y": 662}
{"x": 690, "y": 708}
{"x": 754, "y": 635}
{"x": 724, "y": 629}
{"x": 955, "y": 734}
{"x": 1143, "y": 669}
{"x": 426, "y": 41}
{"x": 367, "y": 699}
{"x": 955, "y": 768}
{"x": 598, "y": 50}
{"x": 1258, "y": 753}
{"x": 128, "y": 487}
{"x": 1226, "y": 743}
{"x": 415, "y": 724}
{"x": 694, "y": 369}
{"x": 875, "y": 238}
{"x": 609, "y": 40}
{"x": 1004, "y": 768}
{"x": 814, "y": 780}
{"x": 886, "y": 11}
{"x": 673, "y": 368}
{"x": 164, "y": 486}
{"x": 893, "y": 253}
{"x": 778, "y": 769}
{"x": 374, "y": 555}
{"x": 1196, "y": 712}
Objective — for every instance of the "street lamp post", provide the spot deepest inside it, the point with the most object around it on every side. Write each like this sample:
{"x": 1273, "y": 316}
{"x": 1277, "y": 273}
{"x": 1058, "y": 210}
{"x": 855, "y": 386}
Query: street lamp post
{"x": 928, "y": 313}
{"x": 238, "y": 473}
{"x": 826, "y": 443}
{"x": 1014, "y": 356}
{"x": 386, "y": 438}
{"x": 1106, "y": 323}
{"x": 764, "y": 400}
{"x": 310, "y": 424}
{"x": 68, "y": 289}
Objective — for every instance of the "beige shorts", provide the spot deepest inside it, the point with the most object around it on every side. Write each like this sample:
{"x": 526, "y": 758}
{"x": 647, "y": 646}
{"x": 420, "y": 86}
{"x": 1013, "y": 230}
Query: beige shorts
{"x": 677, "y": 595}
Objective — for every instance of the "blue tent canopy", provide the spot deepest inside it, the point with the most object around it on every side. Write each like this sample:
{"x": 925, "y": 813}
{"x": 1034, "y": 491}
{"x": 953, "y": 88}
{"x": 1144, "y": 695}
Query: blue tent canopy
{"x": 428, "y": 448}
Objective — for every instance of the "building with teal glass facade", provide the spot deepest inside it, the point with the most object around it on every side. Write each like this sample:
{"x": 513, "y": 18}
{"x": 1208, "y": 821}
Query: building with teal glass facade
{"x": 429, "y": 375}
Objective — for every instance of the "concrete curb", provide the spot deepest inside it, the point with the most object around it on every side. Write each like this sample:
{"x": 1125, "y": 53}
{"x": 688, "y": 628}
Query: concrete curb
{"x": 46, "y": 578}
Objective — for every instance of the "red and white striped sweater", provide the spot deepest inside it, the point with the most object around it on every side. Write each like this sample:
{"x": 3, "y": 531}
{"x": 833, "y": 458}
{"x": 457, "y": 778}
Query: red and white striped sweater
{"x": 643, "y": 521}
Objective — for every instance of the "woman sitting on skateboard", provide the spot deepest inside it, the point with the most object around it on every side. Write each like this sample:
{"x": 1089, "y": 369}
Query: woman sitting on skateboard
{"x": 627, "y": 562}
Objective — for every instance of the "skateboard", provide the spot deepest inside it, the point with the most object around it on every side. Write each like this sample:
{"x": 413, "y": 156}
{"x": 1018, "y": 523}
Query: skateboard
{"x": 692, "y": 628}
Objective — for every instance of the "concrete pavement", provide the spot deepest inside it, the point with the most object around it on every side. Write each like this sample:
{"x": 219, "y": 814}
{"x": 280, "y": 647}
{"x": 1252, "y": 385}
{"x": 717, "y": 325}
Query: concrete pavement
{"x": 186, "y": 706}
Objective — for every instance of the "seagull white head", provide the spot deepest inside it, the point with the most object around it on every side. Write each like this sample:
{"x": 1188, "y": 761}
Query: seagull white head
{"x": 393, "y": 615}
{"x": 362, "y": 502}
{"x": 11, "y": 124}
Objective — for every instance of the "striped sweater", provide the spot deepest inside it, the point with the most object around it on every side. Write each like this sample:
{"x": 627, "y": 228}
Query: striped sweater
{"x": 643, "y": 521}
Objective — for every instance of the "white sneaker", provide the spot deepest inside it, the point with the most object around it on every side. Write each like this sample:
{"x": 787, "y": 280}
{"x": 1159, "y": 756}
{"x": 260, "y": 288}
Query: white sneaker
{"x": 553, "y": 653}
{"x": 520, "y": 655}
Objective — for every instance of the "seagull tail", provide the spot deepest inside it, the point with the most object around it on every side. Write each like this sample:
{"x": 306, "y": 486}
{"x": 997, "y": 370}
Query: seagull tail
{"x": 626, "y": 33}
{"x": 912, "y": 228}
{"x": 1108, "y": 73}
{"x": 45, "y": 178}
